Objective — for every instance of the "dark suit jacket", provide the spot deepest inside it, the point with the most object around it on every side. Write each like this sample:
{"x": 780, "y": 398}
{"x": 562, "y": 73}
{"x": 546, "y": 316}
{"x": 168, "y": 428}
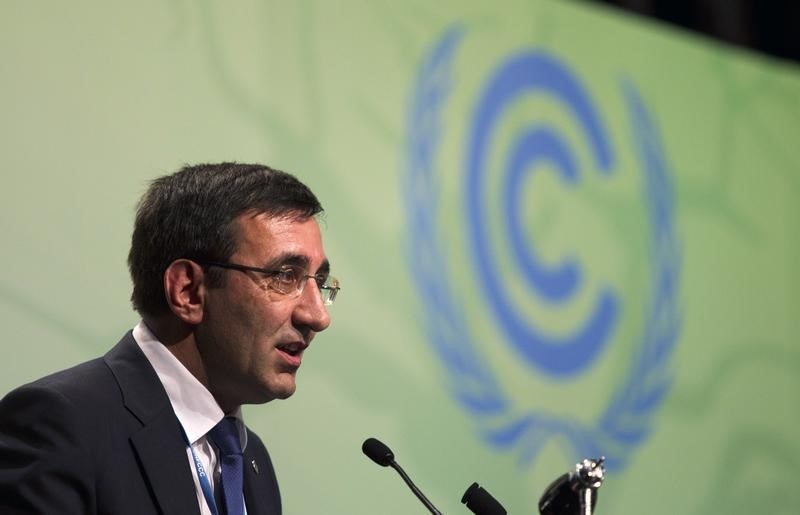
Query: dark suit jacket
{"x": 102, "y": 438}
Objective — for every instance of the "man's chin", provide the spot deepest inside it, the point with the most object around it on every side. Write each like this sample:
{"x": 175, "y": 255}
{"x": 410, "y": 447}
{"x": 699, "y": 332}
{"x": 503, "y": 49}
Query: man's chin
{"x": 284, "y": 395}
{"x": 282, "y": 389}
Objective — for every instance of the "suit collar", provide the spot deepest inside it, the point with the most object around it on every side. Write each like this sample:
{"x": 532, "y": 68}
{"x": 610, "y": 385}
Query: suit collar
{"x": 142, "y": 392}
{"x": 159, "y": 443}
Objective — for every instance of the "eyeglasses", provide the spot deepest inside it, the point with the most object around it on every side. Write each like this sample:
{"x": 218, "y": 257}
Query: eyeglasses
{"x": 288, "y": 280}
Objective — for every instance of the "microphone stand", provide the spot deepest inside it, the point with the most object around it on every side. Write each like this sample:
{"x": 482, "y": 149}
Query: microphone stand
{"x": 414, "y": 488}
{"x": 574, "y": 493}
{"x": 383, "y": 456}
{"x": 586, "y": 479}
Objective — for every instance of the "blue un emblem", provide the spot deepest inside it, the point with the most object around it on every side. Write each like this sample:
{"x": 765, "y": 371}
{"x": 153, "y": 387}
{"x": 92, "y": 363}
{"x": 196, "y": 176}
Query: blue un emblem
{"x": 548, "y": 319}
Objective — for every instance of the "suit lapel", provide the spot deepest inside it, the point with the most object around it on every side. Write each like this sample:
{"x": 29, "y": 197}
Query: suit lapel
{"x": 159, "y": 443}
{"x": 254, "y": 488}
{"x": 166, "y": 465}
{"x": 261, "y": 492}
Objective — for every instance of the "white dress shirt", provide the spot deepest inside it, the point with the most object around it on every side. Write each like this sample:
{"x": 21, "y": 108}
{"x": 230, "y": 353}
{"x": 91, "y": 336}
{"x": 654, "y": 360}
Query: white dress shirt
{"x": 193, "y": 404}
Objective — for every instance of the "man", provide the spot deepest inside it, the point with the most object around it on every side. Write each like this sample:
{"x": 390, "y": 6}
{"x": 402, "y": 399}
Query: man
{"x": 232, "y": 283}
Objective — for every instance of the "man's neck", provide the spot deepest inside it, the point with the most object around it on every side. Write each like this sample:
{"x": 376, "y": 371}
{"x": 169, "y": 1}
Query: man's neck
{"x": 179, "y": 339}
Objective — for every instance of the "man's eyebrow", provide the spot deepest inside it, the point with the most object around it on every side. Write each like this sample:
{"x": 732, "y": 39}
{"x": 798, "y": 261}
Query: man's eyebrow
{"x": 298, "y": 260}
{"x": 288, "y": 259}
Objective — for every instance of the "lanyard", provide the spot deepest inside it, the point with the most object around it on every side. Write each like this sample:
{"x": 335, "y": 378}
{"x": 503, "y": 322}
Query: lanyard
{"x": 205, "y": 485}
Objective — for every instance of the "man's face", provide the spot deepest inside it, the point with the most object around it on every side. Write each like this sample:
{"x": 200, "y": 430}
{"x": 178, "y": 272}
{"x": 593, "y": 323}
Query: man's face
{"x": 252, "y": 339}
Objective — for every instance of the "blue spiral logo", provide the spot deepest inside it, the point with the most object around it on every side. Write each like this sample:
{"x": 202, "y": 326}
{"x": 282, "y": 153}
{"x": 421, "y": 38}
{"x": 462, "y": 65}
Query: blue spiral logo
{"x": 532, "y": 73}
{"x": 626, "y": 420}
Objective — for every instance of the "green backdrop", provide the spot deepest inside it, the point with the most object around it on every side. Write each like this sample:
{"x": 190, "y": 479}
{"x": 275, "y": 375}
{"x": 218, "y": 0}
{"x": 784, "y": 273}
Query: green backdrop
{"x": 496, "y": 176}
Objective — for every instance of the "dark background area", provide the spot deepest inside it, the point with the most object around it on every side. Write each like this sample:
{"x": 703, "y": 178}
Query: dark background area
{"x": 771, "y": 27}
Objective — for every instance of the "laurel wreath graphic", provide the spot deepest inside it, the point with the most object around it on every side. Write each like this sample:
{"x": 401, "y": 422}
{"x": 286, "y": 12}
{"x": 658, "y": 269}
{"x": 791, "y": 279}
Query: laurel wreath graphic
{"x": 627, "y": 420}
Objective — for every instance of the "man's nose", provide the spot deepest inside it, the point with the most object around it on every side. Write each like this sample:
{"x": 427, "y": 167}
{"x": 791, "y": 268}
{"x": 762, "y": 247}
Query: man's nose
{"x": 310, "y": 310}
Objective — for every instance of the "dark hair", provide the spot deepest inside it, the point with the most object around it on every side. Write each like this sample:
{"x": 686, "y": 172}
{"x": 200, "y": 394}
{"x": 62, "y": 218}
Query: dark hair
{"x": 190, "y": 214}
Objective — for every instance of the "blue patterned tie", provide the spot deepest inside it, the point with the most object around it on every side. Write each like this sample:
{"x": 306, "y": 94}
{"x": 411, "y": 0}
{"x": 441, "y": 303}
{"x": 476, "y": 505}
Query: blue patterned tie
{"x": 226, "y": 436}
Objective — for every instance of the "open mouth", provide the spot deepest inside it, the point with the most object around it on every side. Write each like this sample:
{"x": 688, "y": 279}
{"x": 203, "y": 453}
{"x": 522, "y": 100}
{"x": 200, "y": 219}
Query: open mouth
{"x": 291, "y": 352}
{"x": 292, "y": 349}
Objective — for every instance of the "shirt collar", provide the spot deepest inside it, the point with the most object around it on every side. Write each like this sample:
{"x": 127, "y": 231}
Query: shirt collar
{"x": 194, "y": 406}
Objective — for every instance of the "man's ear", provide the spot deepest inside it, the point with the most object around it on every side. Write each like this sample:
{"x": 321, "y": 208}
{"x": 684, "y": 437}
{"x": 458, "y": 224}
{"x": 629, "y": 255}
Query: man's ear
{"x": 184, "y": 287}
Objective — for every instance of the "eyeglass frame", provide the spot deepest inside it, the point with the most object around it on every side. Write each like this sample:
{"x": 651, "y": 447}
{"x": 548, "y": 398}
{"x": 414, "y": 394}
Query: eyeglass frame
{"x": 319, "y": 279}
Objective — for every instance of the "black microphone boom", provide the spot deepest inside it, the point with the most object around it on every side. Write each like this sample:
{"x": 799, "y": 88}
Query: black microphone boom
{"x": 383, "y": 456}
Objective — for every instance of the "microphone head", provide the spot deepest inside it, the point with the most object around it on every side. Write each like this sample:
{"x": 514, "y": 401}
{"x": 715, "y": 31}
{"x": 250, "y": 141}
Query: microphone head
{"x": 377, "y": 452}
{"x": 481, "y": 502}
{"x": 561, "y": 498}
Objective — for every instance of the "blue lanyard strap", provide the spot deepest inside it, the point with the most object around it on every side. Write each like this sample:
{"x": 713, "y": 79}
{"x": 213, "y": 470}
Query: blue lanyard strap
{"x": 205, "y": 484}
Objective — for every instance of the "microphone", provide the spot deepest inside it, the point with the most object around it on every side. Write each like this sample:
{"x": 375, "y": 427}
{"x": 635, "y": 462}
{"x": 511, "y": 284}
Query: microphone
{"x": 574, "y": 493}
{"x": 377, "y": 452}
{"x": 383, "y": 456}
{"x": 481, "y": 502}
